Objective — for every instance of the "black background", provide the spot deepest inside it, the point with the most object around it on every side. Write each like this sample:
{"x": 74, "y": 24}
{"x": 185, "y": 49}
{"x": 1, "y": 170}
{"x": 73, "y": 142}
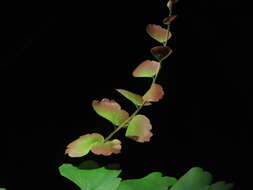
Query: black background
{"x": 57, "y": 58}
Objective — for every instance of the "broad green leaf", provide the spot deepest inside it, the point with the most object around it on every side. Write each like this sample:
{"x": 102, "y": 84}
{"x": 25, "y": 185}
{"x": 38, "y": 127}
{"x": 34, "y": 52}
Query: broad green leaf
{"x": 169, "y": 19}
{"x": 194, "y": 179}
{"x": 153, "y": 181}
{"x": 154, "y": 94}
{"x": 88, "y": 164}
{"x": 161, "y": 52}
{"x": 107, "y": 148}
{"x": 139, "y": 129}
{"x": 221, "y": 185}
{"x": 83, "y": 144}
{"x": 110, "y": 110}
{"x": 95, "y": 179}
{"x": 2, "y": 188}
{"x": 147, "y": 68}
{"x": 135, "y": 98}
{"x": 158, "y": 33}
{"x": 104, "y": 179}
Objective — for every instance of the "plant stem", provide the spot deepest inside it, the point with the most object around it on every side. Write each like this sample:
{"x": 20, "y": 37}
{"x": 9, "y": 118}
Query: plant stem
{"x": 144, "y": 102}
{"x": 125, "y": 122}
{"x": 134, "y": 113}
{"x": 168, "y": 27}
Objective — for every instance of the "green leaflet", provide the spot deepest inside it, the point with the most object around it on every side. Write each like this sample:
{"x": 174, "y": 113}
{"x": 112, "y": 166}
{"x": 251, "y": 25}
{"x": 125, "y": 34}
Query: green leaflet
{"x": 95, "y": 143}
{"x": 135, "y": 98}
{"x": 94, "y": 179}
{"x": 139, "y": 129}
{"x": 198, "y": 179}
{"x": 83, "y": 144}
{"x": 158, "y": 33}
{"x": 2, "y": 188}
{"x": 110, "y": 110}
{"x": 154, "y": 94}
{"x": 194, "y": 179}
{"x": 147, "y": 68}
{"x": 104, "y": 179}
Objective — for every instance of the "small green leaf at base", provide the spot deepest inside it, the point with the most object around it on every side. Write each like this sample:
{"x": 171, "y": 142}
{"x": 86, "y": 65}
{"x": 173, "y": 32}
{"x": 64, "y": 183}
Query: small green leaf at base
{"x": 95, "y": 179}
{"x": 104, "y": 179}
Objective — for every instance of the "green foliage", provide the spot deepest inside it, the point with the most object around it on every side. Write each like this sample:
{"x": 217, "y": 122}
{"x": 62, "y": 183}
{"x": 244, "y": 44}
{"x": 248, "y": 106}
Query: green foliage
{"x": 2, "y": 188}
{"x": 94, "y": 179}
{"x": 88, "y": 176}
{"x": 110, "y": 110}
{"x": 197, "y": 179}
{"x": 104, "y": 179}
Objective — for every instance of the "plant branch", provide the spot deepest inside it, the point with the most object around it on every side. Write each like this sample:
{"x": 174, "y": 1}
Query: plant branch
{"x": 144, "y": 102}
{"x": 125, "y": 122}
{"x": 168, "y": 27}
{"x": 135, "y": 112}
